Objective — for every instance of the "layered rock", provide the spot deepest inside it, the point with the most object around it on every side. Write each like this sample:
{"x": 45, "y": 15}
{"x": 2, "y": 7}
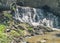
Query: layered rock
{"x": 54, "y": 4}
{"x": 35, "y": 17}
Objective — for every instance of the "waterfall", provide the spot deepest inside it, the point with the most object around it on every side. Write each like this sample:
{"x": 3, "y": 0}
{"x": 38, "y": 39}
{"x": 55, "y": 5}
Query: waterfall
{"x": 35, "y": 17}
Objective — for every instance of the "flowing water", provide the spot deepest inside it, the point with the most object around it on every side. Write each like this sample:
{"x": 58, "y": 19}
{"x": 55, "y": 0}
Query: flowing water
{"x": 35, "y": 17}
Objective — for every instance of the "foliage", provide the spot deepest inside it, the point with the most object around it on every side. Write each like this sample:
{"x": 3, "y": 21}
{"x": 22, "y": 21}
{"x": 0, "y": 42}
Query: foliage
{"x": 8, "y": 15}
{"x": 14, "y": 33}
{"x": 30, "y": 28}
{"x": 13, "y": 6}
{"x": 3, "y": 36}
{"x": 17, "y": 33}
{"x": 21, "y": 32}
{"x": 2, "y": 28}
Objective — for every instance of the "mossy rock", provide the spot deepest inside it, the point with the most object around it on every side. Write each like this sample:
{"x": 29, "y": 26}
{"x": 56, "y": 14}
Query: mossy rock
{"x": 8, "y": 15}
{"x": 2, "y": 28}
{"x": 4, "y": 38}
{"x": 14, "y": 33}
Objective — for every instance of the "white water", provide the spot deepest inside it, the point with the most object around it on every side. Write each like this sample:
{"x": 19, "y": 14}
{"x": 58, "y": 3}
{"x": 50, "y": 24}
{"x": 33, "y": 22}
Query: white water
{"x": 36, "y": 17}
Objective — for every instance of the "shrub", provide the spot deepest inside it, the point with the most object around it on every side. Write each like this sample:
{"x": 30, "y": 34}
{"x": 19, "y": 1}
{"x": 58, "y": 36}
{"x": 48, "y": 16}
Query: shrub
{"x": 3, "y": 36}
{"x": 2, "y": 28}
{"x": 8, "y": 15}
{"x": 14, "y": 33}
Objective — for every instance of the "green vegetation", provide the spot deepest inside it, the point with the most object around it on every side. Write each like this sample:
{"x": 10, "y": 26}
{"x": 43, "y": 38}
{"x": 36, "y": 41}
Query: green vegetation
{"x": 30, "y": 28}
{"x": 17, "y": 33}
{"x": 13, "y": 6}
{"x": 9, "y": 16}
{"x": 14, "y": 33}
{"x": 21, "y": 32}
{"x": 2, "y": 28}
{"x": 3, "y": 36}
{"x": 27, "y": 27}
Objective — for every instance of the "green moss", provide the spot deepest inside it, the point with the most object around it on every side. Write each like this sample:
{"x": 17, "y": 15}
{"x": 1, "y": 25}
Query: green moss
{"x": 8, "y": 15}
{"x": 14, "y": 33}
{"x": 4, "y": 38}
{"x": 13, "y": 6}
{"x": 25, "y": 24}
{"x": 21, "y": 32}
{"x": 2, "y": 28}
{"x": 30, "y": 28}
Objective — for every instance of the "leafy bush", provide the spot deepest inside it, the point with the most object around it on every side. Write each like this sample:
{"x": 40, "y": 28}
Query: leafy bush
{"x": 8, "y": 15}
{"x": 3, "y": 36}
{"x": 17, "y": 33}
{"x": 2, "y": 28}
{"x": 14, "y": 33}
{"x": 21, "y": 32}
{"x": 30, "y": 28}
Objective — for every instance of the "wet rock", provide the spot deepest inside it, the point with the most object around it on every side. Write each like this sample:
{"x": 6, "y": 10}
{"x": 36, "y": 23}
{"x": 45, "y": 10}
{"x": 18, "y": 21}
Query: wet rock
{"x": 58, "y": 35}
{"x": 53, "y": 4}
{"x": 30, "y": 31}
{"x": 21, "y": 27}
{"x": 39, "y": 30}
{"x": 20, "y": 3}
{"x": 21, "y": 38}
{"x": 32, "y": 34}
{"x": 27, "y": 42}
{"x": 37, "y": 33}
{"x": 14, "y": 26}
{"x": 8, "y": 30}
{"x": 27, "y": 36}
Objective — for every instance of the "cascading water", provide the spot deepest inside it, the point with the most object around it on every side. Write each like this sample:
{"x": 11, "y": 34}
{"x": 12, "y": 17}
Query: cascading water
{"x": 36, "y": 17}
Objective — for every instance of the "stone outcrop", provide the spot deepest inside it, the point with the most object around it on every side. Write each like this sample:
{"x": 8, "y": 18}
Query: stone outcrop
{"x": 53, "y": 4}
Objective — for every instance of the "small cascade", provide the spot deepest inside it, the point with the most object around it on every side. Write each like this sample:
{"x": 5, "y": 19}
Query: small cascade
{"x": 36, "y": 17}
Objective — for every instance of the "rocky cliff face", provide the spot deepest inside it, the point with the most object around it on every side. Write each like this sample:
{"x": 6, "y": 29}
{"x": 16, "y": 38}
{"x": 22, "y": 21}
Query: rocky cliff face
{"x": 36, "y": 17}
{"x": 35, "y": 3}
{"x": 38, "y": 3}
{"x": 53, "y": 4}
{"x": 34, "y": 14}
